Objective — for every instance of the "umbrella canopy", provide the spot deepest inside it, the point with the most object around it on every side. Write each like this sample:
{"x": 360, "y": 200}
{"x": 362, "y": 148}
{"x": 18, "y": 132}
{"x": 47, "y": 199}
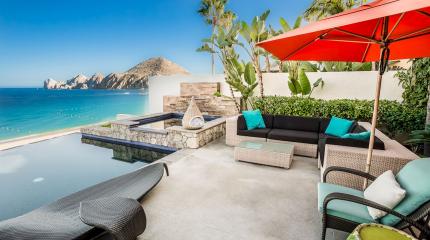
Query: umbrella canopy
{"x": 378, "y": 31}
{"x": 356, "y": 35}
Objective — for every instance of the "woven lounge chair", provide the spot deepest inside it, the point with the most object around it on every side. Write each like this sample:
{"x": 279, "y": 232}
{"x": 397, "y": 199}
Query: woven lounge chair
{"x": 60, "y": 219}
{"x": 345, "y": 208}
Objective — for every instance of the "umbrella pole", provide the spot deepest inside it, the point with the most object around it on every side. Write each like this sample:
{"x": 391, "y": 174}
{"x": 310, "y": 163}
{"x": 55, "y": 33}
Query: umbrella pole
{"x": 373, "y": 127}
{"x": 383, "y": 62}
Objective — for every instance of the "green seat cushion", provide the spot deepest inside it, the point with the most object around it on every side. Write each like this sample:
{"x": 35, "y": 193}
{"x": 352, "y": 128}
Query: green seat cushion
{"x": 253, "y": 119}
{"x": 365, "y": 136}
{"x": 343, "y": 209}
{"x": 338, "y": 127}
{"x": 374, "y": 231}
{"x": 414, "y": 177}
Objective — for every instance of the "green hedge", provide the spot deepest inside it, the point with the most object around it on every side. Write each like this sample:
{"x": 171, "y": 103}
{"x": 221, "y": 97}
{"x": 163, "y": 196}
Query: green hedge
{"x": 394, "y": 117}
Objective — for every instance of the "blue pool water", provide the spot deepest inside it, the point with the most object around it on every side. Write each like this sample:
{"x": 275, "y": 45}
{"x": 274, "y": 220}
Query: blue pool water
{"x": 37, "y": 174}
{"x": 25, "y": 111}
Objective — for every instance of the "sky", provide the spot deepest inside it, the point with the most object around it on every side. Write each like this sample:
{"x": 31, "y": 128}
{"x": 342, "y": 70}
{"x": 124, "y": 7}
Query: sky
{"x": 59, "y": 39}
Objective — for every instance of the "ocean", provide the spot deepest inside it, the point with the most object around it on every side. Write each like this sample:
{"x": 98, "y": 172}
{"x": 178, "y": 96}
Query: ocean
{"x": 25, "y": 111}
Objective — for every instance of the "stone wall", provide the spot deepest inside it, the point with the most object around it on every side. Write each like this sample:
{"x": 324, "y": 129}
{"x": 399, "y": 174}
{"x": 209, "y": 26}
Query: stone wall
{"x": 173, "y": 136}
{"x": 199, "y": 89}
{"x": 210, "y": 105}
{"x": 203, "y": 93}
{"x": 181, "y": 138}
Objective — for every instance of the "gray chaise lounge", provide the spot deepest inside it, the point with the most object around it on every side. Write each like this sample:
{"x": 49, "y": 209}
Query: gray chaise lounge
{"x": 60, "y": 219}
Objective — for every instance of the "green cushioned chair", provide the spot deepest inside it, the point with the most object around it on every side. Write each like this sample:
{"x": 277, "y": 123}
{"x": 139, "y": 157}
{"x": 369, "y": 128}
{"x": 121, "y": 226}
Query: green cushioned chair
{"x": 344, "y": 208}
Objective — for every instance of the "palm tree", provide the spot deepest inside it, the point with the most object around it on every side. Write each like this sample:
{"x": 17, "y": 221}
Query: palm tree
{"x": 320, "y": 9}
{"x": 215, "y": 15}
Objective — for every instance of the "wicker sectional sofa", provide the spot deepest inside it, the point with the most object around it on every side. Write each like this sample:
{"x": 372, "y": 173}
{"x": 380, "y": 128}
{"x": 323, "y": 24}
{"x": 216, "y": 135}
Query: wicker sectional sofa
{"x": 305, "y": 133}
{"x": 393, "y": 157}
{"x": 307, "y": 136}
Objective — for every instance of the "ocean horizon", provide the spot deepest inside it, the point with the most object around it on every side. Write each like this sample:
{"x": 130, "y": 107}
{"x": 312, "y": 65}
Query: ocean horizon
{"x": 26, "y": 111}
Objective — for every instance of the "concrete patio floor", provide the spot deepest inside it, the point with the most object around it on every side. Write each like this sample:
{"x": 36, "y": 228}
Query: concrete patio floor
{"x": 210, "y": 196}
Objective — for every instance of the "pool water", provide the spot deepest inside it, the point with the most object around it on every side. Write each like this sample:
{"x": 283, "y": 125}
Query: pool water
{"x": 37, "y": 174}
{"x": 161, "y": 125}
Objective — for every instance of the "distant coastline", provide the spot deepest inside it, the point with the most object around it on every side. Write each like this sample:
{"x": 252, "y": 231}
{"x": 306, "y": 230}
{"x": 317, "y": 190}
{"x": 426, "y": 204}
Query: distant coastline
{"x": 25, "y": 111}
{"x": 135, "y": 78}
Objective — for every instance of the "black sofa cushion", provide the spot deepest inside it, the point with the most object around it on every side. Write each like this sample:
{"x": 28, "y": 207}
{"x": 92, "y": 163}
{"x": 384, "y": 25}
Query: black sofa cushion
{"x": 324, "y": 124}
{"x": 308, "y": 124}
{"x": 293, "y": 136}
{"x": 259, "y": 132}
{"x": 378, "y": 144}
{"x": 358, "y": 129}
{"x": 352, "y": 142}
{"x": 241, "y": 123}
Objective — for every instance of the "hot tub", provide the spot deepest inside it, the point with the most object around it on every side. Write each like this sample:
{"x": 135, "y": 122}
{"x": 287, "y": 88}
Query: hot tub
{"x": 162, "y": 129}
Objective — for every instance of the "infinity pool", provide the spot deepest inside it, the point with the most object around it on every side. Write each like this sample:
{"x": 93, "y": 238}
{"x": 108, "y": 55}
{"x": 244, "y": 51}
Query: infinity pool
{"x": 37, "y": 174}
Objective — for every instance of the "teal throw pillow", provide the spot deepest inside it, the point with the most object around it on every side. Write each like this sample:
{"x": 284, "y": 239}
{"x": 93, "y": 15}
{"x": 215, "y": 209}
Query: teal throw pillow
{"x": 253, "y": 119}
{"x": 338, "y": 126}
{"x": 358, "y": 136}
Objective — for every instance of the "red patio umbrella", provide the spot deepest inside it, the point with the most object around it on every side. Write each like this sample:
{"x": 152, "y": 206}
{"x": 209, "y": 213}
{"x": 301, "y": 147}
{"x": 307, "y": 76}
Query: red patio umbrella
{"x": 379, "y": 31}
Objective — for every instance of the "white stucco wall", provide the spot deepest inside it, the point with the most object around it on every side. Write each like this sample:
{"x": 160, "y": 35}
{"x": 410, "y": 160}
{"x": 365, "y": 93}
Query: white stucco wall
{"x": 348, "y": 85}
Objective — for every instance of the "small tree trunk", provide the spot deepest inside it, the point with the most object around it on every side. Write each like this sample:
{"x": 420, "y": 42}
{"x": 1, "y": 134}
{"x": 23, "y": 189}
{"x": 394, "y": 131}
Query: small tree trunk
{"x": 374, "y": 67}
{"x": 267, "y": 63}
{"x": 428, "y": 107}
{"x": 280, "y": 66}
{"x": 259, "y": 75}
{"x": 212, "y": 54}
{"x": 260, "y": 81}
{"x": 213, "y": 63}
{"x": 234, "y": 98}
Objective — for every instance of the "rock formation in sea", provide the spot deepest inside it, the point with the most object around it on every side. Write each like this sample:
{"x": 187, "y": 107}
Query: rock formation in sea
{"x": 78, "y": 82}
{"x": 95, "y": 80}
{"x": 135, "y": 78}
{"x": 53, "y": 84}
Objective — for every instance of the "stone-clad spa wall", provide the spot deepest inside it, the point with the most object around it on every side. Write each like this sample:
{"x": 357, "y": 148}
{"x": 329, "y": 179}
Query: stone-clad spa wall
{"x": 173, "y": 136}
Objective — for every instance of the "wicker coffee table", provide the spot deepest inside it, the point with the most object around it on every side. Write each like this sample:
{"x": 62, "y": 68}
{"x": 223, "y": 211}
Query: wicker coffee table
{"x": 267, "y": 153}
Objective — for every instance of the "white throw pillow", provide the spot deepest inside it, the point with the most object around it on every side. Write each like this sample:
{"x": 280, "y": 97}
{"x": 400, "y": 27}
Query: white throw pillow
{"x": 386, "y": 191}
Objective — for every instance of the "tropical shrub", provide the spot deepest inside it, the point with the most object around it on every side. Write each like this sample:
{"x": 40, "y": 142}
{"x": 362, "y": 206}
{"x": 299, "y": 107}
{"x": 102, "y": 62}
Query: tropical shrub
{"x": 254, "y": 33}
{"x": 419, "y": 136}
{"x": 394, "y": 117}
{"x": 415, "y": 82}
{"x": 222, "y": 44}
{"x": 241, "y": 77}
{"x": 298, "y": 82}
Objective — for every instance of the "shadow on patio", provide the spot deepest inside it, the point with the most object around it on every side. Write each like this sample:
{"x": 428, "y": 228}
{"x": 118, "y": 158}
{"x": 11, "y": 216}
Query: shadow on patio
{"x": 211, "y": 196}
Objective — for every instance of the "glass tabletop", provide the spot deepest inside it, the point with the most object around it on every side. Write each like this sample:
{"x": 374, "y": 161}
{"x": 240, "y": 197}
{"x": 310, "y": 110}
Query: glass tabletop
{"x": 268, "y": 146}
